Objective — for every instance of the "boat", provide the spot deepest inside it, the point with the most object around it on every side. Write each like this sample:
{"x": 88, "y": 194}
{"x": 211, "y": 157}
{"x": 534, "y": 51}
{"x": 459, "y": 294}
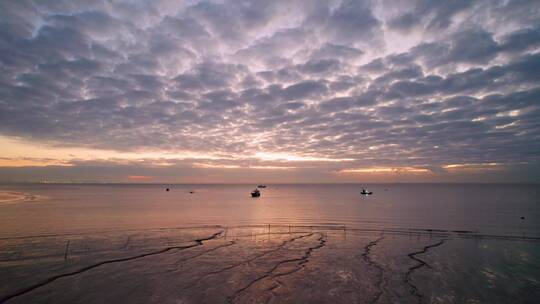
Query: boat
{"x": 255, "y": 193}
{"x": 261, "y": 186}
{"x": 364, "y": 192}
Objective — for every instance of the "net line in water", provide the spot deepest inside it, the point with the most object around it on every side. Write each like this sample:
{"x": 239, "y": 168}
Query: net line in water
{"x": 431, "y": 232}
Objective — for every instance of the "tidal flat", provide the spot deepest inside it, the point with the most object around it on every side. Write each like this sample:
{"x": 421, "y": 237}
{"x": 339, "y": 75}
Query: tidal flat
{"x": 269, "y": 264}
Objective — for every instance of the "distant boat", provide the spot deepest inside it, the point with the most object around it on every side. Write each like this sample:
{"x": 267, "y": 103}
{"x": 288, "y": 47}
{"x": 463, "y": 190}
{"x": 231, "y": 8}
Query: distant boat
{"x": 255, "y": 193}
{"x": 261, "y": 186}
{"x": 364, "y": 192}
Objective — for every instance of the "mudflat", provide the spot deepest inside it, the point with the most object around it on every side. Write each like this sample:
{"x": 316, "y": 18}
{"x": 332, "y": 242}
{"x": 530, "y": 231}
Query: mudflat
{"x": 268, "y": 264}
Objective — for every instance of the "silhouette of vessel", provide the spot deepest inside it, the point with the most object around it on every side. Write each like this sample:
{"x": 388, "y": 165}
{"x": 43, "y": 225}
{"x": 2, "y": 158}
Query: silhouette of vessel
{"x": 364, "y": 192}
{"x": 255, "y": 193}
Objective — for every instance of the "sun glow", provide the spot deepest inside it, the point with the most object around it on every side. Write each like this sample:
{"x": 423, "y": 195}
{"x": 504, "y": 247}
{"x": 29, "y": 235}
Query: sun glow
{"x": 386, "y": 170}
{"x": 139, "y": 177}
{"x": 272, "y": 156}
{"x": 24, "y": 162}
{"x": 39, "y": 155}
{"x": 215, "y": 166}
{"x": 474, "y": 167}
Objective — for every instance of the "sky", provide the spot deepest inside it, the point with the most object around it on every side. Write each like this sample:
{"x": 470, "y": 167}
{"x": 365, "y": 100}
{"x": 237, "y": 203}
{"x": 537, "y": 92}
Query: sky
{"x": 269, "y": 91}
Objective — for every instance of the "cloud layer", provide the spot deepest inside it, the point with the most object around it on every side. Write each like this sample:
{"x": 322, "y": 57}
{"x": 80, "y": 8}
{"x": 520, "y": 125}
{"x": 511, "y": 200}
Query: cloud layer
{"x": 340, "y": 85}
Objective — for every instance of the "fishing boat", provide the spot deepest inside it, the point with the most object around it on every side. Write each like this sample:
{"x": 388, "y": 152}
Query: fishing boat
{"x": 365, "y": 192}
{"x": 261, "y": 186}
{"x": 255, "y": 193}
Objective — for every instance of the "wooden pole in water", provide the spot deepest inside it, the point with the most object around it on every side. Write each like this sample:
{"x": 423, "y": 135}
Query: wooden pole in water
{"x": 66, "y": 252}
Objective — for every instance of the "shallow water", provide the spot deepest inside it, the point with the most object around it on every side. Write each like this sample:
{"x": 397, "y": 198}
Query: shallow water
{"x": 487, "y": 209}
{"x": 407, "y": 243}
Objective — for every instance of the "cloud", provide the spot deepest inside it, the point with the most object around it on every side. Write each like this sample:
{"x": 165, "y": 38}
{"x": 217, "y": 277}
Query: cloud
{"x": 304, "y": 90}
{"x": 521, "y": 39}
{"x": 319, "y": 66}
{"x": 353, "y": 22}
{"x": 321, "y": 80}
{"x": 468, "y": 46}
{"x": 434, "y": 15}
{"x": 332, "y": 51}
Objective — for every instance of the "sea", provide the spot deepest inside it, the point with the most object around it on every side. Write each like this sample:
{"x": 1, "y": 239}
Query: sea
{"x": 485, "y": 209}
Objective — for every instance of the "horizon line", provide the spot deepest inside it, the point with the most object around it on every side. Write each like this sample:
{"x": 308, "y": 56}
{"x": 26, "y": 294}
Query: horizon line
{"x": 246, "y": 183}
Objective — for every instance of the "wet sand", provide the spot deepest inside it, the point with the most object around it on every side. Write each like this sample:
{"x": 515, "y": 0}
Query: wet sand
{"x": 269, "y": 264}
{"x": 12, "y": 197}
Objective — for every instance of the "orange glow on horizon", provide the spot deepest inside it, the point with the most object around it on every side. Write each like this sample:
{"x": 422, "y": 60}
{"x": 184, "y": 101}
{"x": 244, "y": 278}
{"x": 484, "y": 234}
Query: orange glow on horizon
{"x": 214, "y": 166}
{"x": 386, "y": 170}
{"x": 218, "y": 166}
{"x": 274, "y": 156}
{"x": 24, "y": 162}
{"x": 271, "y": 168}
{"x": 140, "y": 177}
{"x": 474, "y": 167}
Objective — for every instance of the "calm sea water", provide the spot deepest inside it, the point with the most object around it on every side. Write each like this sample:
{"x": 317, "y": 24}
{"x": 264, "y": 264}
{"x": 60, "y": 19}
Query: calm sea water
{"x": 495, "y": 209}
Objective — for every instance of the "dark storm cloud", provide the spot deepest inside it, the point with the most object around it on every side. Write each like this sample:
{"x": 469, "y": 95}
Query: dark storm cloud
{"x": 325, "y": 80}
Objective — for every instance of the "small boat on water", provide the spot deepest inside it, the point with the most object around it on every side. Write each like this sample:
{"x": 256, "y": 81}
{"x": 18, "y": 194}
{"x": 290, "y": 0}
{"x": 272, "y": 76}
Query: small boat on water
{"x": 365, "y": 192}
{"x": 261, "y": 186}
{"x": 255, "y": 193}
